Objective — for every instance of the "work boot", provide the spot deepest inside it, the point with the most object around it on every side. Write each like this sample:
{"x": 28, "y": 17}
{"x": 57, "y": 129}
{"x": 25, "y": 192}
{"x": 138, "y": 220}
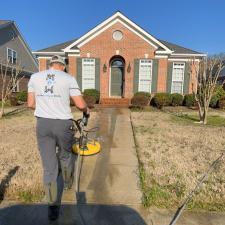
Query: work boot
{"x": 53, "y": 212}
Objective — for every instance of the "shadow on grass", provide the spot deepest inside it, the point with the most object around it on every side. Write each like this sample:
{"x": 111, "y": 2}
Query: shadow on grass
{"x": 15, "y": 112}
{"x": 213, "y": 120}
{"x": 5, "y": 182}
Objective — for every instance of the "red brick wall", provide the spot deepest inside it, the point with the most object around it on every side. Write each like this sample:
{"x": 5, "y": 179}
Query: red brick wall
{"x": 193, "y": 80}
{"x": 130, "y": 47}
{"x": 72, "y": 67}
{"x": 162, "y": 75}
{"x": 104, "y": 47}
{"x": 23, "y": 84}
{"x": 42, "y": 64}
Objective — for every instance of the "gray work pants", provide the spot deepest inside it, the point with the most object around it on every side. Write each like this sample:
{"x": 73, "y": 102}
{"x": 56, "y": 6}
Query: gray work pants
{"x": 50, "y": 134}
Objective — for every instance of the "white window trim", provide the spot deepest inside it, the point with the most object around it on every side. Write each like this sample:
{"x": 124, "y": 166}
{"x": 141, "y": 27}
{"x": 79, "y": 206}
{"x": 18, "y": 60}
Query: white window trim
{"x": 150, "y": 75}
{"x": 179, "y": 80}
{"x": 83, "y": 73}
{"x": 12, "y": 54}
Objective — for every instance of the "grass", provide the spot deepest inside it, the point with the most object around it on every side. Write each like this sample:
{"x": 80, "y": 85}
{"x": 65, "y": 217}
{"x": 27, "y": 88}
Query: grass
{"x": 143, "y": 109}
{"x": 7, "y": 104}
{"x": 30, "y": 196}
{"x": 19, "y": 147}
{"x": 157, "y": 195}
{"x": 213, "y": 120}
{"x": 209, "y": 206}
{"x": 173, "y": 154}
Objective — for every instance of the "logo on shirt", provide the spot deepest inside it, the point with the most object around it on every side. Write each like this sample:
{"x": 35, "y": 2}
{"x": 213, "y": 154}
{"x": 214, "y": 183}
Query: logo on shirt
{"x": 50, "y": 81}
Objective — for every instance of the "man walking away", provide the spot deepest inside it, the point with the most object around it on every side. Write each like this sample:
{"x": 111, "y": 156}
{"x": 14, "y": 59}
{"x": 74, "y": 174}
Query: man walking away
{"x": 49, "y": 93}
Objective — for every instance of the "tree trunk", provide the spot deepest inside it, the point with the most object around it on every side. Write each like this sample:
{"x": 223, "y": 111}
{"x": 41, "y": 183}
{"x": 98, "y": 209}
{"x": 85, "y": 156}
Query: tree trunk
{"x": 200, "y": 112}
{"x": 205, "y": 115}
{"x": 2, "y": 108}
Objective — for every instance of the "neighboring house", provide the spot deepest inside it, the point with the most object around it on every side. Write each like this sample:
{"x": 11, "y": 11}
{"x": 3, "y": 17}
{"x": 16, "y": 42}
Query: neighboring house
{"x": 119, "y": 58}
{"x": 221, "y": 78}
{"x": 15, "y": 50}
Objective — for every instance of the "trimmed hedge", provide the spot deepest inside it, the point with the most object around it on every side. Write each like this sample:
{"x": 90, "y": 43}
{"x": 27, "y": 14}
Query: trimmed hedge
{"x": 162, "y": 99}
{"x": 214, "y": 101}
{"x": 219, "y": 92}
{"x": 142, "y": 93}
{"x": 90, "y": 100}
{"x": 92, "y": 92}
{"x": 22, "y": 96}
{"x": 140, "y": 101}
{"x": 177, "y": 99}
{"x": 221, "y": 103}
{"x": 189, "y": 100}
{"x": 13, "y": 101}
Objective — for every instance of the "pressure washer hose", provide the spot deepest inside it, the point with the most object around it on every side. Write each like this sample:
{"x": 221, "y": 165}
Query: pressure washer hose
{"x": 83, "y": 123}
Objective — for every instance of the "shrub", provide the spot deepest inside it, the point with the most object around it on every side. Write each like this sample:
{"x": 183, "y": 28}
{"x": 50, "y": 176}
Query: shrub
{"x": 22, "y": 96}
{"x": 13, "y": 101}
{"x": 177, "y": 99}
{"x": 142, "y": 93}
{"x": 189, "y": 100}
{"x": 214, "y": 101}
{"x": 221, "y": 103}
{"x": 92, "y": 92}
{"x": 90, "y": 100}
{"x": 162, "y": 99}
{"x": 140, "y": 101}
{"x": 219, "y": 92}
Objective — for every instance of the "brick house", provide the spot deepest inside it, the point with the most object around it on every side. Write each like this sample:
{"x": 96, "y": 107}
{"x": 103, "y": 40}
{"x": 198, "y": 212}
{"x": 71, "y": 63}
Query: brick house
{"x": 14, "y": 49}
{"x": 119, "y": 58}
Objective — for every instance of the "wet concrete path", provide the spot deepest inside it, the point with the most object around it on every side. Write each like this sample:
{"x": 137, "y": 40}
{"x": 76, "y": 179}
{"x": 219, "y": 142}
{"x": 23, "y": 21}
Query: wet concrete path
{"x": 111, "y": 177}
{"x": 109, "y": 191}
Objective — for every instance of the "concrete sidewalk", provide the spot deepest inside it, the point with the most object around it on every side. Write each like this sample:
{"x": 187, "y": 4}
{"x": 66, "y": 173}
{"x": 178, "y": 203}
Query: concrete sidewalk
{"x": 109, "y": 192}
{"x": 111, "y": 177}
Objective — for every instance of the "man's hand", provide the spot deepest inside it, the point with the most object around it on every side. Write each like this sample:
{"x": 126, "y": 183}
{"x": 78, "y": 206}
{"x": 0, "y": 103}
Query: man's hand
{"x": 86, "y": 116}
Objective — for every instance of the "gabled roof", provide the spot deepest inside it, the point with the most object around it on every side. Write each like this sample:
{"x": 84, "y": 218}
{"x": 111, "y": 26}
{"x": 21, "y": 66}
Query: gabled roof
{"x": 162, "y": 47}
{"x": 177, "y": 49}
{"x": 117, "y": 17}
{"x": 5, "y": 23}
{"x": 57, "y": 47}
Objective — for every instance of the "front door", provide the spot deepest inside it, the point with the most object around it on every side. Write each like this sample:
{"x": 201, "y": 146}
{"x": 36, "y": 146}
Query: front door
{"x": 117, "y": 69}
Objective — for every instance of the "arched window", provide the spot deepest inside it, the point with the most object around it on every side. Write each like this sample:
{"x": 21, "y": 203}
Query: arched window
{"x": 117, "y": 63}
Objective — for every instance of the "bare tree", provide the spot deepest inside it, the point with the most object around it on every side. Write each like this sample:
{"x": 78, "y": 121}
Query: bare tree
{"x": 10, "y": 75}
{"x": 206, "y": 74}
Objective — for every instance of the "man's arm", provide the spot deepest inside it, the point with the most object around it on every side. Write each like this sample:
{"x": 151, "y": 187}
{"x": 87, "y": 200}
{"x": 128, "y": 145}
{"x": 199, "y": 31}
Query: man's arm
{"x": 31, "y": 100}
{"x": 80, "y": 103}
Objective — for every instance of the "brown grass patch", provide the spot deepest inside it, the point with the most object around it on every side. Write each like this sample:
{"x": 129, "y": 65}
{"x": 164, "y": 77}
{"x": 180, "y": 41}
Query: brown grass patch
{"x": 174, "y": 155}
{"x": 18, "y": 148}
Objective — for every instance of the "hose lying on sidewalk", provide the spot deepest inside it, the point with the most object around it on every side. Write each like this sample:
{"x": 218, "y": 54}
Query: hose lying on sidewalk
{"x": 197, "y": 187}
{"x": 84, "y": 147}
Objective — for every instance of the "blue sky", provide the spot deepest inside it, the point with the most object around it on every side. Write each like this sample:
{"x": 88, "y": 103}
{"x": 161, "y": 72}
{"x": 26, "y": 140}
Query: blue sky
{"x": 196, "y": 24}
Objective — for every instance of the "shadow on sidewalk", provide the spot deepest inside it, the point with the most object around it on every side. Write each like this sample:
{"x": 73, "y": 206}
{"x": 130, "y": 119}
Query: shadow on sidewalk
{"x": 82, "y": 214}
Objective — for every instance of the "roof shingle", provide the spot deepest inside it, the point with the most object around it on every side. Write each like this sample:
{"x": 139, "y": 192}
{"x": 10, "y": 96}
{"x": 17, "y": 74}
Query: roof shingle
{"x": 179, "y": 49}
{"x": 57, "y": 47}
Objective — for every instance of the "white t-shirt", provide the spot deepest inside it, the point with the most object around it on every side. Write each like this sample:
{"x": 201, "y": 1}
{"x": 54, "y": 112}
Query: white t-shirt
{"x": 53, "y": 89}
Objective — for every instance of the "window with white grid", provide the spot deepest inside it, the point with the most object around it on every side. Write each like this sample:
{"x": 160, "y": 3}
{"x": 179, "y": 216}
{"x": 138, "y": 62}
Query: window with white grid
{"x": 11, "y": 56}
{"x": 145, "y": 75}
{"x": 178, "y": 78}
{"x": 88, "y": 73}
